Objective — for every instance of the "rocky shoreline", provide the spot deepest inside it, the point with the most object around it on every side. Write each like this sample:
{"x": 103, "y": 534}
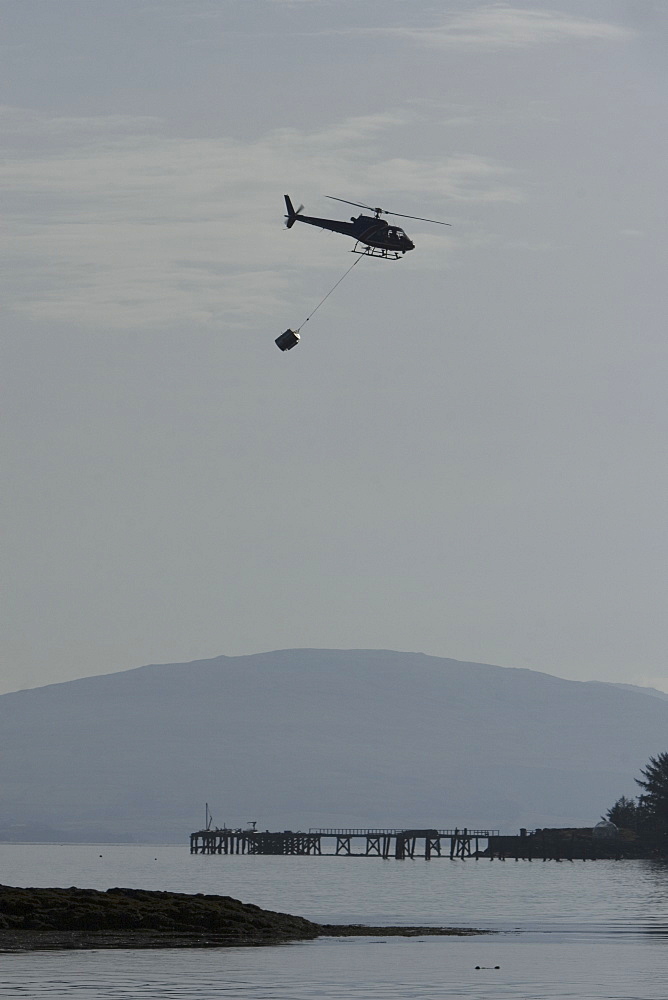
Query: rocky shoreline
{"x": 39, "y": 919}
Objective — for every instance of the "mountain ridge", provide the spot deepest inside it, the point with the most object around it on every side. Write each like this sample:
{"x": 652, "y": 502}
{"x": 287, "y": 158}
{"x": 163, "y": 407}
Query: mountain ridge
{"x": 310, "y": 737}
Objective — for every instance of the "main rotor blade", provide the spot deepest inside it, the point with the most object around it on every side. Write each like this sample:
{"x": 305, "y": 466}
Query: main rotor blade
{"x": 358, "y": 203}
{"x": 418, "y": 217}
{"x": 384, "y": 211}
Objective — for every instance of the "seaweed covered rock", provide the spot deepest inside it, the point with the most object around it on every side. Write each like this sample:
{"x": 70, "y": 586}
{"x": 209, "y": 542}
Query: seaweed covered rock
{"x": 142, "y": 917}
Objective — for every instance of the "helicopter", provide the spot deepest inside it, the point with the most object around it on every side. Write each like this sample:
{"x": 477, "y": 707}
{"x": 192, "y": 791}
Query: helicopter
{"x": 377, "y": 236}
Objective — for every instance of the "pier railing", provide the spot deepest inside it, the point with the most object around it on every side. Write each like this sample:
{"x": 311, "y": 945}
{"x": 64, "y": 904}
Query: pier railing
{"x": 357, "y": 832}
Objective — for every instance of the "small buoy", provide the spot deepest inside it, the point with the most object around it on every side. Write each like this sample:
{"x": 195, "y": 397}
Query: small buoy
{"x": 287, "y": 340}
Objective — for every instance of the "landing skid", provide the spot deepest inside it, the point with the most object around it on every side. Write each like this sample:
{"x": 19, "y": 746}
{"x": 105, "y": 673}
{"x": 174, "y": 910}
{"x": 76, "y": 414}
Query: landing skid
{"x": 377, "y": 252}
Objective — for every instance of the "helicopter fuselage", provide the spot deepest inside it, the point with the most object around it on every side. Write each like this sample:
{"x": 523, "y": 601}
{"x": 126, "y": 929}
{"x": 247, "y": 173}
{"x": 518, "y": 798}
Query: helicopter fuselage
{"x": 365, "y": 229}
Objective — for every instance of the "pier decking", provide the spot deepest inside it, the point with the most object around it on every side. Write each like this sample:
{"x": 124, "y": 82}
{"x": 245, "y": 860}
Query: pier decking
{"x": 344, "y": 842}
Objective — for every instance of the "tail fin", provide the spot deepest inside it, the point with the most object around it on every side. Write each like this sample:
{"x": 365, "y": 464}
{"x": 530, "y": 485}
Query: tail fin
{"x": 291, "y": 217}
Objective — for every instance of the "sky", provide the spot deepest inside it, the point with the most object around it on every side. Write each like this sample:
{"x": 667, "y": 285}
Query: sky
{"x": 465, "y": 455}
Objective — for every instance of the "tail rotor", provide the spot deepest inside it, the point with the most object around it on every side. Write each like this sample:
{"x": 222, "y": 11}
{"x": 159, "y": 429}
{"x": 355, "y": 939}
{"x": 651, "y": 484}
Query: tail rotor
{"x": 291, "y": 217}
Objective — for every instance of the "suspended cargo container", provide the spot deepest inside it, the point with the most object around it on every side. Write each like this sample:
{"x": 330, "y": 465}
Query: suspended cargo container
{"x": 287, "y": 340}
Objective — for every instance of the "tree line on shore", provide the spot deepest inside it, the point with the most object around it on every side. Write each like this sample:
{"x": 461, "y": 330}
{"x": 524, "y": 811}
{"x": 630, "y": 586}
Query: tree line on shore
{"x": 646, "y": 815}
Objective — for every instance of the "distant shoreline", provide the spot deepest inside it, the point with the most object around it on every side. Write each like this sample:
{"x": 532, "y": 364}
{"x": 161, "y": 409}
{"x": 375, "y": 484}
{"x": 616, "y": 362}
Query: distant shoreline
{"x": 76, "y": 919}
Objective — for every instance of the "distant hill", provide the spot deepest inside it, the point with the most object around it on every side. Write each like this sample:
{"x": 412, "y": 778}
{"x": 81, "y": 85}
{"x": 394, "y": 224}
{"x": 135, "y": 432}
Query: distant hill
{"x": 313, "y": 737}
{"x": 652, "y": 692}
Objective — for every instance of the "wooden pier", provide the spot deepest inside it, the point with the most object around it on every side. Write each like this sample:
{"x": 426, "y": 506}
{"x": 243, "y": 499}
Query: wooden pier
{"x": 398, "y": 844}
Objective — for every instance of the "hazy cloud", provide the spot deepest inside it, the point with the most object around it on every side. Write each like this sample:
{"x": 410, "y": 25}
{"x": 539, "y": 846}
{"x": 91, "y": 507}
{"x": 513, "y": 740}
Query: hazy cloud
{"x": 15, "y": 122}
{"x": 498, "y": 27}
{"x": 459, "y": 178}
{"x": 110, "y": 221}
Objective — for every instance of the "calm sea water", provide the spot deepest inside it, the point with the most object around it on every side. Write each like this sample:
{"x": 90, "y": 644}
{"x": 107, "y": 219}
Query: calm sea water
{"x": 582, "y": 930}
